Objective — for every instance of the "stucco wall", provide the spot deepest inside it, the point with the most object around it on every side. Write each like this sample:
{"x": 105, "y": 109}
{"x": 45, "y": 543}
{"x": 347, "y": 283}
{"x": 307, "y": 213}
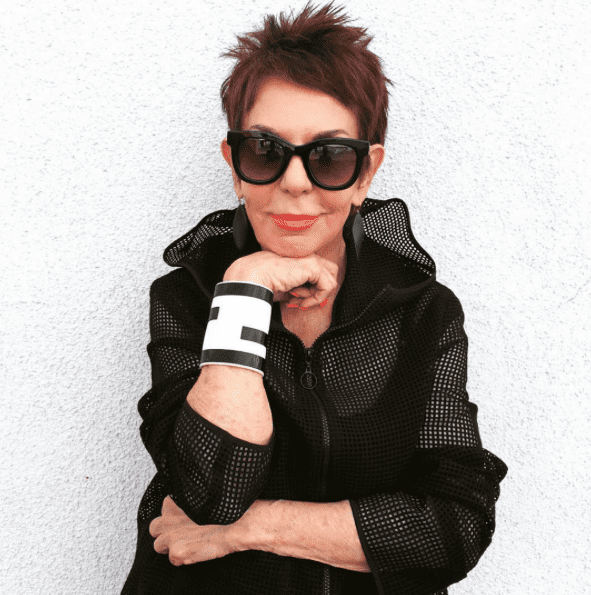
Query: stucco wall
{"x": 110, "y": 125}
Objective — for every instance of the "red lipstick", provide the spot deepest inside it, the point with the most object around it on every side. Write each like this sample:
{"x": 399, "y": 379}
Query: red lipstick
{"x": 288, "y": 221}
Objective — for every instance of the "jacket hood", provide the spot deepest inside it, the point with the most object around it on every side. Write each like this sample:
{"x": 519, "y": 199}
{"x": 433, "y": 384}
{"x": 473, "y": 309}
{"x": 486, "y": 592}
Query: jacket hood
{"x": 392, "y": 268}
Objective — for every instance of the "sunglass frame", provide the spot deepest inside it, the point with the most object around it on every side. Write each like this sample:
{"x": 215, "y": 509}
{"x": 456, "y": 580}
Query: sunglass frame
{"x": 235, "y": 137}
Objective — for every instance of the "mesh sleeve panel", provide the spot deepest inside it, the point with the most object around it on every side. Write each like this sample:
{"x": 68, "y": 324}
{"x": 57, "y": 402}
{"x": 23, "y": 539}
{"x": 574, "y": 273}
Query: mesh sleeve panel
{"x": 433, "y": 530}
{"x": 213, "y": 476}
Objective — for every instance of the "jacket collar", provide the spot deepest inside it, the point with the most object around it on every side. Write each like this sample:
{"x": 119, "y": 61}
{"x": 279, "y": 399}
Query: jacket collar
{"x": 393, "y": 268}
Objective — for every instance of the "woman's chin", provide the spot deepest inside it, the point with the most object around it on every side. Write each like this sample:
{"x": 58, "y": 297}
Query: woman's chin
{"x": 292, "y": 253}
{"x": 289, "y": 247}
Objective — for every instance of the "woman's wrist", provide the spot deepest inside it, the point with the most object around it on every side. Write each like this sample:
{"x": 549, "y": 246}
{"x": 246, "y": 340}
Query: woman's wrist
{"x": 235, "y": 272}
{"x": 250, "y": 532}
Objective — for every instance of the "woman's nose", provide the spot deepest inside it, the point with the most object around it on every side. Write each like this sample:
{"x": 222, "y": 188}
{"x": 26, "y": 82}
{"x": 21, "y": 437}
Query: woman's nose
{"x": 295, "y": 175}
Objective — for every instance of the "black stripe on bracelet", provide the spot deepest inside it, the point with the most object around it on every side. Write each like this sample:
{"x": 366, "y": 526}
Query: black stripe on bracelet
{"x": 248, "y": 289}
{"x": 254, "y": 335}
{"x": 228, "y": 356}
{"x": 213, "y": 313}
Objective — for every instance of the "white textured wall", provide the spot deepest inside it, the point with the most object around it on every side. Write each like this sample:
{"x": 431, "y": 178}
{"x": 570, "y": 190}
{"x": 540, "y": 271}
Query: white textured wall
{"x": 110, "y": 127}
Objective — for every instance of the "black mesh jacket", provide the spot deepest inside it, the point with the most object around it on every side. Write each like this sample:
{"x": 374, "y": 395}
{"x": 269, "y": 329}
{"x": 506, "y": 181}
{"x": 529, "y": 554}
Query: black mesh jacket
{"x": 376, "y": 412}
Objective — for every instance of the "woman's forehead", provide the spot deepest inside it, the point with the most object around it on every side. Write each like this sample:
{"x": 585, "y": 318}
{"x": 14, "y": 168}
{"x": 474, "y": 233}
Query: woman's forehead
{"x": 289, "y": 110}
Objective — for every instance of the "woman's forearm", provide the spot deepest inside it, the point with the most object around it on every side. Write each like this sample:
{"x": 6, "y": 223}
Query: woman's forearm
{"x": 324, "y": 532}
{"x": 235, "y": 400}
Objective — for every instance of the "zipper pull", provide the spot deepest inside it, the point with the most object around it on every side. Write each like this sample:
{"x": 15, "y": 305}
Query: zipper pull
{"x": 308, "y": 379}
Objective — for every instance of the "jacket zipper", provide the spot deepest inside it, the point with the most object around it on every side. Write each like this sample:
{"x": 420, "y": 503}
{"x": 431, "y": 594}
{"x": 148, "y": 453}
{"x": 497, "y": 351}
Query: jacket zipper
{"x": 309, "y": 381}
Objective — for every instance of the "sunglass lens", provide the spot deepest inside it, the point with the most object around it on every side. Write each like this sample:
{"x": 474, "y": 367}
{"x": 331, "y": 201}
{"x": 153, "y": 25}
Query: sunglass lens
{"x": 260, "y": 159}
{"x": 333, "y": 165}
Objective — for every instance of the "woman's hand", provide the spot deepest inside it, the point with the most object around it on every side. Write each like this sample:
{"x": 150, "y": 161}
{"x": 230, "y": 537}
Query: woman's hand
{"x": 186, "y": 542}
{"x": 282, "y": 275}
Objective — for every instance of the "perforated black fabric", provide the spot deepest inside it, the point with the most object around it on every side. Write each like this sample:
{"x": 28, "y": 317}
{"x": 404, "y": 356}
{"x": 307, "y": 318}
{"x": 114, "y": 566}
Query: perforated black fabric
{"x": 388, "y": 426}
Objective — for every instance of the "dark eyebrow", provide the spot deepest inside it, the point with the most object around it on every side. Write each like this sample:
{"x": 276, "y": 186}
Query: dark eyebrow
{"x": 325, "y": 134}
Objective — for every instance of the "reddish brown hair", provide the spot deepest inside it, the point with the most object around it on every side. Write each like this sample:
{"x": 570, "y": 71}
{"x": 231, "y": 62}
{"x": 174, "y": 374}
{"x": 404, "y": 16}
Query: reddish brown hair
{"x": 316, "y": 51}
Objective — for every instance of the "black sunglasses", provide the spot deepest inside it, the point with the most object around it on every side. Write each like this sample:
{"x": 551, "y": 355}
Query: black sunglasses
{"x": 262, "y": 158}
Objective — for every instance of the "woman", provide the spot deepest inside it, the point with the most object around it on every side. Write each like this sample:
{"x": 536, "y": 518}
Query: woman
{"x": 308, "y": 418}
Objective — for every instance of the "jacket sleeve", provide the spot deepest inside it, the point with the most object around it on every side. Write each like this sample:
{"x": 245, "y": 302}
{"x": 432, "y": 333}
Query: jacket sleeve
{"x": 213, "y": 476}
{"x": 432, "y": 530}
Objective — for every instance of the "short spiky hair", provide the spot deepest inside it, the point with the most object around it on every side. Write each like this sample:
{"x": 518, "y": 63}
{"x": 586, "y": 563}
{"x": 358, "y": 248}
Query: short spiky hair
{"x": 316, "y": 51}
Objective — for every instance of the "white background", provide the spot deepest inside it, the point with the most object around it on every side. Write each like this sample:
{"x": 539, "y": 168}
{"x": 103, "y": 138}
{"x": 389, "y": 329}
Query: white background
{"x": 110, "y": 127}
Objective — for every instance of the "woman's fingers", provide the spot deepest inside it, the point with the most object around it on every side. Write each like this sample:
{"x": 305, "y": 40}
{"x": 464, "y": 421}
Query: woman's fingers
{"x": 306, "y": 282}
{"x": 301, "y": 292}
{"x": 327, "y": 282}
{"x": 319, "y": 294}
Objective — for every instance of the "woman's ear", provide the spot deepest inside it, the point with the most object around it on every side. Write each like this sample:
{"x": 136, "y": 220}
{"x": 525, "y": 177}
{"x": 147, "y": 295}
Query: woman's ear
{"x": 227, "y": 155}
{"x": 376, "y": 157}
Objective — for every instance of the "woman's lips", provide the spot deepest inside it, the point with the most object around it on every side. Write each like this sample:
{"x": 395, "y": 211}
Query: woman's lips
{"x": 294, "y": 221}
